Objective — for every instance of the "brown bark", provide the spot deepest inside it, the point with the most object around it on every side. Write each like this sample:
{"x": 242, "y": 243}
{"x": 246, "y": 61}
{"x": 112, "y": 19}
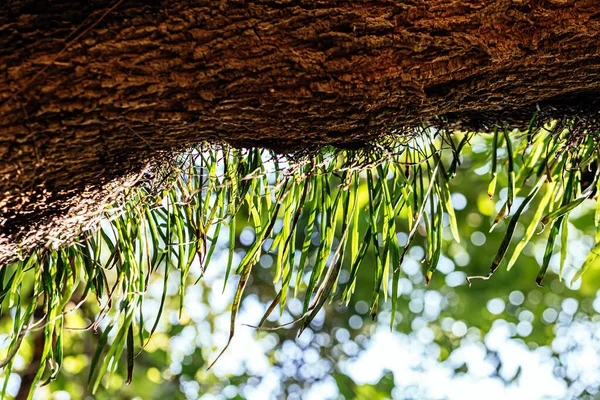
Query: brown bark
{"x": 90, "y": 90}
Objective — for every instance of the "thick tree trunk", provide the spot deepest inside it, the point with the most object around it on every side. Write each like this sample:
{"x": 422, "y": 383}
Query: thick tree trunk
{"x": 91, "y": 90}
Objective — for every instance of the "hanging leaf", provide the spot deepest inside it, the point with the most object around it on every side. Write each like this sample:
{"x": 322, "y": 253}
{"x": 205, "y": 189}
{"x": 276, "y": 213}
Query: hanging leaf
{"x": 510, "y": 231}
{"x": 589, "y": 261}
{"x": 532, "y": 225}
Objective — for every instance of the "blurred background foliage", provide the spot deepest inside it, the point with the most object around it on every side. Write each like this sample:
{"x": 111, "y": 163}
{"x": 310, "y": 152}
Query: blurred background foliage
{"x": 495, "y": 338}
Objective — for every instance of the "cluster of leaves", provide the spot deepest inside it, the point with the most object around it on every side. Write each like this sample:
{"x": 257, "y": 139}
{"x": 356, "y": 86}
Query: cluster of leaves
{"x": 406, "y": 179}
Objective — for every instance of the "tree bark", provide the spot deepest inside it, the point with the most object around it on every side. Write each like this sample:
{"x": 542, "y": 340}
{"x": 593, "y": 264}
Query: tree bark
{"x": 90, "y": 91}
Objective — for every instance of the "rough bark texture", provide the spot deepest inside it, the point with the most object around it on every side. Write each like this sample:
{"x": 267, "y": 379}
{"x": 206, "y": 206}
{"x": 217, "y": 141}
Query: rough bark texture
{"x": 90, "y": 90}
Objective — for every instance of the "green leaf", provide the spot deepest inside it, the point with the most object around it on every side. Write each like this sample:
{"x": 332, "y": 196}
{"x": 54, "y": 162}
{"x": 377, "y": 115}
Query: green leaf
{"x": 564, "y": 235}
{"x": 510, "y": 231}
{"x": 548, "y": 251}
{"x": 312, "y": 215}
{"x": 443, "y": 191}
{"x": 532, "y": 225}
{"x": 494, "y": 168}
{"x": 129, "y": 354}
{"x": 565, "y": 209}
{"x": 589, "y": 260}
{"x": 511, "y": 170}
